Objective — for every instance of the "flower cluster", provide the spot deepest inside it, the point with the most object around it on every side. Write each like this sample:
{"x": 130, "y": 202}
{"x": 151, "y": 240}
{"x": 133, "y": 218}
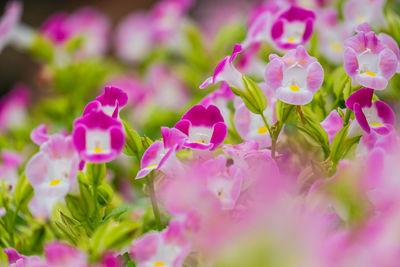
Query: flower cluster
{"x": 288, "y": 155}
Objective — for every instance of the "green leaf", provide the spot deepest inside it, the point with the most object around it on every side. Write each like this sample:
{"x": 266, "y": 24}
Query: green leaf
{"x": 105, "y": 194}
{"x": 3, "y": 258}
{"x": 111, "y": 235}
{"x": 255, "y": 95}
{"x": 133, "y": 141}
{"x": 313, "y": 131}
{"x": 95, "y": 173}
{"x": 341, "y": 144}
{"x": 393, "y": 21}
{"x": 118, "y": 212}
{"x": 23, "y": 191}
{"x": 76, "y": 207}
{"x": 283, "y": 111}
{"x": 74, "y": 44}
{"x": 42, "y": 48}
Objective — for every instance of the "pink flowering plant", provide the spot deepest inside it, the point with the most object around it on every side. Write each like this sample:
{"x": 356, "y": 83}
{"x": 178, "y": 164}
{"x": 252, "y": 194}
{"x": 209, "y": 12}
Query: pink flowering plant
{"x": 197, "y": 133}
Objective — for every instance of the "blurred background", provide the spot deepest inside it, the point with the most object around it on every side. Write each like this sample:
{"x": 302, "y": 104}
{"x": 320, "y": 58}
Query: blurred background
{"x": 16, "y": 66}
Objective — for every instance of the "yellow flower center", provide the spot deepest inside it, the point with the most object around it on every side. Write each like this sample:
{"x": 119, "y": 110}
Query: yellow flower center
{"x": 262, "y": 130}
{"x": 159, "y": 263}
{"x": 294, "y": 88}
{"x": 370, "y": 73}
{"x": 97, "y": 150}
{"x": 55, "y": 182}
{"x": 291, "y": 40}
{"x": 375, "y": 124}
{"x": 151, "y": 166}
{"x": 337, "y": 47}
{"x": 220, "y": 195}
{"x": 199, "y": 142}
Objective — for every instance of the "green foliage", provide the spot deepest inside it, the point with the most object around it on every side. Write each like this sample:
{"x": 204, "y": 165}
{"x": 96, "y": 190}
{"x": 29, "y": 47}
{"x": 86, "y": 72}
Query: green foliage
{"x": 23, "y": 192}
{"x": 341, "y": 144}
{"x": 42, "y": 49}
{"x": 253, "y": 97}
{"x": 112, "y": 235}
{"x": 312, "y": 130}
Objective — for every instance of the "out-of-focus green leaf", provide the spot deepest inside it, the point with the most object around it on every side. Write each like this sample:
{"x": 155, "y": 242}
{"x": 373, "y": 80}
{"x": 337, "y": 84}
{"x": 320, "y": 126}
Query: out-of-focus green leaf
{"x": 23, "y": 191}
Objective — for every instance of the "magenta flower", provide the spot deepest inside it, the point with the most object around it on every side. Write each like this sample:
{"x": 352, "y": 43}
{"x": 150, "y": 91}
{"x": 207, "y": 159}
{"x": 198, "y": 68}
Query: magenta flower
{"x": 204, "y": 127}
{"x": 98, "y": 137}
{"x": 226, "y": 72}
{"x": 17, "y": 260}
{"x": 261, "y": 21}
{"x": 220, "y": 98}
{"x": 59, "y": 254}
{"x": 161, "y": 154}
{"x": 293, "y": 27}
{"x": 368, "y": 60}
{"x": 52, "y": 173}
{"x": 332, "y": 124}
{"x": 166, "y": 248}
{"x": 136, "y": 90}
{"x": 9, "y": 167}
{"x": 86, "y": 23}
{"x": 9, "y": 21}
{"x": 110, "y": 102}
{"x": 375, "y": 117}
{"x": 13, "y": 108}
{"x": 295, "y": 77}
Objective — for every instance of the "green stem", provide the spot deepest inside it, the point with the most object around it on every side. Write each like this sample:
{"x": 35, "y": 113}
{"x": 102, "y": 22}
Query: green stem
{"x": 271, "y": 134}
{"x": 347, "y": 117}
{"x": 13, "y": 220}
{"x": 154, "y": 205}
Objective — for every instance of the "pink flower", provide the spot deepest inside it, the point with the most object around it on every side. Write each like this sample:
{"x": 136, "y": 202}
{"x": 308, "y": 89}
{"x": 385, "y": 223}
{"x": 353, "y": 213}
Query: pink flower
{"x": 332, "y": 124}
{"x": 368, "y": 60}
{"x": 59, "y": 254}
{"x": 9, "y": 21}
{"x": 331, "y": 34}
{"x": 134, "y": 40}
{"x": 225, "y": 183}
{"x": 167, "y": 17}
{"x": 98, "y": 137}
{"x": 110, "y": 102}
{"x": 226, "y": 72}
{"x": 166, "y": 248}
{"x": 17, "y": 260}
{"x": 375, "y": 117}
{"x": 52, "y": 173}
{"x": 261, "y": 21}
{"x": 13, "y": 108}
{"x": 295, "y": 77}
{"x": 166, "y": 89}
{"x": 86, "y": 23}
{"x": 364, "y": 11}
{"x": 161, "y": 155}
{"x": 293, "y": 27}
{"x": 204, "y": 127}
{"x": 9, "y": 167}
